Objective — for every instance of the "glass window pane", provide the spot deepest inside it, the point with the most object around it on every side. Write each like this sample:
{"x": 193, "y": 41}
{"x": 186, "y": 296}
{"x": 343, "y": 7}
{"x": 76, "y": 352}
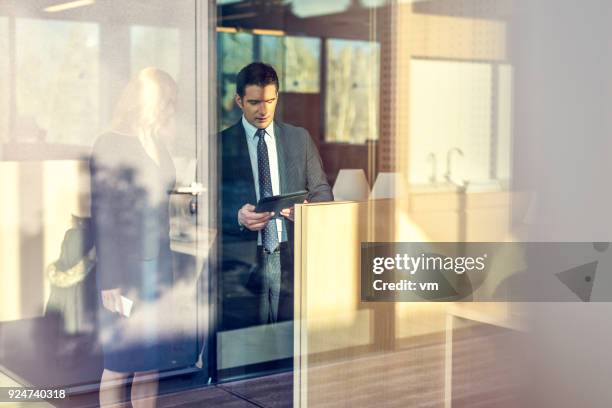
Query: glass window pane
{"x": 4, "y": 79}
{"x": 251, "y": 338}
{"x": 352, "y": 91}
{"x": 235, "y": 50}
{"x": 302, "y": 64}
{"x": 94, "y": 193}
{"x": 451, "y": 108}
{"x": 57, "y": 81}
{"x": 296, "y": 61}
{"x": 273, "y": 52}
{"x": 155, "y": 47}
{"x": 310, "y": 8}
{"x": 503, "y": 167}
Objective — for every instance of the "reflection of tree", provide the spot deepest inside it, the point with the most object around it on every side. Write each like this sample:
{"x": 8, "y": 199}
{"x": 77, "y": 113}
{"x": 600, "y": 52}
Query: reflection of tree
{"x": 296, "y": 61}
{"x": 352, "y": 91}
{"x": 236, "y": 51}
{"x": 301, "y": 64}
{"x": 273, "y": 53}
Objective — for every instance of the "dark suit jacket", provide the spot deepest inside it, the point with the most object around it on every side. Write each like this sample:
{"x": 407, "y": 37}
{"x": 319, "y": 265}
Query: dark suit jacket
{"x": 300, "y": 168}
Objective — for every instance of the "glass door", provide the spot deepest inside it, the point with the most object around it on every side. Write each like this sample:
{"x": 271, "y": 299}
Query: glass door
{"x": 104, "y": 221}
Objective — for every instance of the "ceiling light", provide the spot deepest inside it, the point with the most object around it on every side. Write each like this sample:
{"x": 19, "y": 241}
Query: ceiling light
{"x": 69, "y": 5}
{"x": 227, "y": 30}
{"x": 261, "y": 31}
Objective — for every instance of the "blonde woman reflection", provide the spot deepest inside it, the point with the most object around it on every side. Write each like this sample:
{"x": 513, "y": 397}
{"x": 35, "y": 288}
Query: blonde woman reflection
{"x": 132, "y": 174}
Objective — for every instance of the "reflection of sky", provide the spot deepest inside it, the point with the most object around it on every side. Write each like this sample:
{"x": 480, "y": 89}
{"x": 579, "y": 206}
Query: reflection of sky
{"x": 308, "y": 8}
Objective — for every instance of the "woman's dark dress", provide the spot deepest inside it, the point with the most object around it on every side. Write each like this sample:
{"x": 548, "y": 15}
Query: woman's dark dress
{"x": 130, "y": 213}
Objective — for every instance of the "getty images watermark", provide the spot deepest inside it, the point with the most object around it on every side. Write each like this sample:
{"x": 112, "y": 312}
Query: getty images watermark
{"x": 422, "y": 263}
{"x": 485, "y": 271}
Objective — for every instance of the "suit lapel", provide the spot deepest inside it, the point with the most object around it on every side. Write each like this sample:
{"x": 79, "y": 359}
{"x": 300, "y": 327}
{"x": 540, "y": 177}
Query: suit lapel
{"x": 281, "y": 156}
{"x": 240, "y": 153}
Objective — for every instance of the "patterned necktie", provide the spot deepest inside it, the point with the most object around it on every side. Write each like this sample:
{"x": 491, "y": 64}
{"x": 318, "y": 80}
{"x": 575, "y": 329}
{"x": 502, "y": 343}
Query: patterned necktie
{"x": 269, "y": 234}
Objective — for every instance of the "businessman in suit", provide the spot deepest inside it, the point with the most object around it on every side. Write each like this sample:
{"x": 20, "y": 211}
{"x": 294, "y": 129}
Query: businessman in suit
{"x": 260, "y": 157}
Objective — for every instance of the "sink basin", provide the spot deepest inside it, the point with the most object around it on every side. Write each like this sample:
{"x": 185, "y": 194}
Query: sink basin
{"x": 471, "y": 187}
{"x": 429, "y": 188}
{"x": 485, "y": 186}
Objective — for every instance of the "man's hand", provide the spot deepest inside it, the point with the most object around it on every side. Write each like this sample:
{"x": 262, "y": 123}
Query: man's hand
{"x": 248, "y": 218}
{"x": 111, "y": 300}
{"x": 289, "y": 213}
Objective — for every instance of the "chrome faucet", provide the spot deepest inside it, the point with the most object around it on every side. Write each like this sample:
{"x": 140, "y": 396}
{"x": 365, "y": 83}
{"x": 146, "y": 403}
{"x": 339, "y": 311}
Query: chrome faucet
{"x": 448, "y": 175}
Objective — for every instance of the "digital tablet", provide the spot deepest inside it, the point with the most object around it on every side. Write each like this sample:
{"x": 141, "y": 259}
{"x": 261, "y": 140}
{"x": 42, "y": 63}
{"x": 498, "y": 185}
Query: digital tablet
{"x": 279, "y": 202}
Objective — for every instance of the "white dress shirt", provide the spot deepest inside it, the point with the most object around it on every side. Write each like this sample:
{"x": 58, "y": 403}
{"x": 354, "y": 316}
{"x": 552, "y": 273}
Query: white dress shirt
{"x": 252, "y": 140}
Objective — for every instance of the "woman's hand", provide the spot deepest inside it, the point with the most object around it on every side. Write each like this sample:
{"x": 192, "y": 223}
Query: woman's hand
{"x": 111, "y": 300}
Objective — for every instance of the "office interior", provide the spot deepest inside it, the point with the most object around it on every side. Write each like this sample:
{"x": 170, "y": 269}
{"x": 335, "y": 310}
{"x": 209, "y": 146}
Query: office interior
{"x": 436, "y": 121}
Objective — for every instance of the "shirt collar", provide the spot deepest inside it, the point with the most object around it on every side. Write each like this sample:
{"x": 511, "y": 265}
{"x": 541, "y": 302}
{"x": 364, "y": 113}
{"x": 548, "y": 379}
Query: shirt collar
{"x": 252, "y": 130}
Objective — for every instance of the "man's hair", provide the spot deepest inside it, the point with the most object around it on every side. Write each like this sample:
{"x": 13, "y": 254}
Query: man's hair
{"x": 256, "y": 73}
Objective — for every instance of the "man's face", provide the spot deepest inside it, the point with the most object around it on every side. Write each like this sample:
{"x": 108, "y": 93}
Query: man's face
{"x": 258, "y": 104}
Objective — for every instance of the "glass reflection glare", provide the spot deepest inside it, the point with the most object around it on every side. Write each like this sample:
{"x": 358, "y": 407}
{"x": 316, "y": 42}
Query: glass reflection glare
{"x": 57, "y": 81}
